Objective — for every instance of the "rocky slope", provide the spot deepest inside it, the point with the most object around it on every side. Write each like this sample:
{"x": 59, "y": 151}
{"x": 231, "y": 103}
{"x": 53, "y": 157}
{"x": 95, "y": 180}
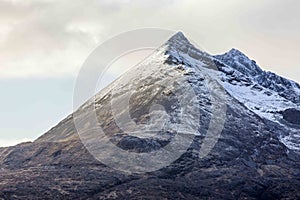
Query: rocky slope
{"x": 256, "y": 156}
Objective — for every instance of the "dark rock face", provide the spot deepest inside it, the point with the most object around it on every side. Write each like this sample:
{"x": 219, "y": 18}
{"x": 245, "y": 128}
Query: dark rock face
{"x": 292, "y": 116}
{"x": 241, "y": 165}
{"x": 247, "y": 162}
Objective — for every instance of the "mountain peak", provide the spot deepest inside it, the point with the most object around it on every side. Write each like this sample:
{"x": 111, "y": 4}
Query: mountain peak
{"x": 179, "y": 48}
{"x": 239, "y": 61}
{"x": 236, "y": 52}
{"x": 178, "y": 40}
{"x": 178, "y": 36}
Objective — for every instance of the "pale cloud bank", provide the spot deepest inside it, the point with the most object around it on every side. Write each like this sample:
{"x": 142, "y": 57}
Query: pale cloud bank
{"x": 53, "y": 37}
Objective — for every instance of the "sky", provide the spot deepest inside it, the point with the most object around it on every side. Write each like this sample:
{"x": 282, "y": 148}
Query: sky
{"x": 43, "y": 44}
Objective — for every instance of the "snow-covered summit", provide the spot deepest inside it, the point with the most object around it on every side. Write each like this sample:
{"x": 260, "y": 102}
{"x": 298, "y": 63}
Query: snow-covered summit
{"x": 179, "y": 37}
{"x": 239, "y": 61}
{"x": 264, "y": 93}
{"x": 285, "y": 88}
{"x": 179, "y": 50}
{"x": 178, "y": 44}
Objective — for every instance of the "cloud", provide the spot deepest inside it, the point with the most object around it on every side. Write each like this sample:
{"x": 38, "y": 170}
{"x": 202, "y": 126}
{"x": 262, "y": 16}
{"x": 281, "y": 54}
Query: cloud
{"x": 274, "y": 17}
{"x": 54, "y": 37}
{"x": 43, "y": 40}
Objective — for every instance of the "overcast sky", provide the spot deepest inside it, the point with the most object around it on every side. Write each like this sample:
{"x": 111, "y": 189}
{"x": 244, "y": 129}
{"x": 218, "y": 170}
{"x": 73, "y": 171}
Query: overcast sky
{"x": 44, "y": 42}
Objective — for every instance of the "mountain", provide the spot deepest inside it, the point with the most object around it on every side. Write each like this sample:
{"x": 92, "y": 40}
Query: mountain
{"x": 256, "y": 155}
{"x": 264, "y": 93}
